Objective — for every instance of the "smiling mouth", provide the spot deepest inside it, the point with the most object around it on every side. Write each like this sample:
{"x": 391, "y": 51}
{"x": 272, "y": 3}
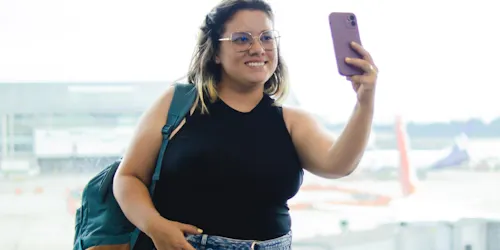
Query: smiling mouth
{"x": 256, "y": 64}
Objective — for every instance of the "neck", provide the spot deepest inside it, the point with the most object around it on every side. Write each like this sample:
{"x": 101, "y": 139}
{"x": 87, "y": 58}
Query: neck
{"x": 243, "y": 99}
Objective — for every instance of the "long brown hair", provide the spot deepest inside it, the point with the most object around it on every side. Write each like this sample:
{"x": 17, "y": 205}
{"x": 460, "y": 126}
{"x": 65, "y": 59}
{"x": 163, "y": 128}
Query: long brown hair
{"x": 205, "y": 73}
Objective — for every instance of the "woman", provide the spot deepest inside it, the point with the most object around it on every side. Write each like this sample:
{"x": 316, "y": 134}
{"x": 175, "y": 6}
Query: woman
{"x": 232, "y": 165}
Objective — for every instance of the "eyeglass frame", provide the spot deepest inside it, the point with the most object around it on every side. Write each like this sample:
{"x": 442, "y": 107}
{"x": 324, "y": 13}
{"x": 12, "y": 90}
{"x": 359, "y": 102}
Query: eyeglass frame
{"x": 253, "y": 39}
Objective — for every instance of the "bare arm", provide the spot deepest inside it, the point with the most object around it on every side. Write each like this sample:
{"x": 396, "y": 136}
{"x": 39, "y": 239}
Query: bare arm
{"x": 316, "y": 148}
{"x": 319, "y": 152}
{"x": 134, "y": 173}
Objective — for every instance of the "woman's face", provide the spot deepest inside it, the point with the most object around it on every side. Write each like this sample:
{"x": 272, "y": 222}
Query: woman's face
{"x": 249, "y": 55}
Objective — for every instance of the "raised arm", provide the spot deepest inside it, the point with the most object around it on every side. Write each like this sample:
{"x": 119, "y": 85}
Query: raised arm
{"x": 318, "y": 151}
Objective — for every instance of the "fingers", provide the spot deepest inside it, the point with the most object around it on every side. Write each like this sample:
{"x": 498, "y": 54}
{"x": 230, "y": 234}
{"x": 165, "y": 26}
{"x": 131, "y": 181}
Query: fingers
{"x": 189, "y": 228}
{"x": 366, "y": 66}
{"x": 365, "y": 54}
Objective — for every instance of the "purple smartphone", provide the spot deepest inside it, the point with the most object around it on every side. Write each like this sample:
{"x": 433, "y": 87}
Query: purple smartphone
{"x": 344, "y": 28}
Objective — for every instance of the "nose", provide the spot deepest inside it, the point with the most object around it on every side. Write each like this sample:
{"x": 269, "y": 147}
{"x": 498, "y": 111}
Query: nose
{"x": 256, "y": 48}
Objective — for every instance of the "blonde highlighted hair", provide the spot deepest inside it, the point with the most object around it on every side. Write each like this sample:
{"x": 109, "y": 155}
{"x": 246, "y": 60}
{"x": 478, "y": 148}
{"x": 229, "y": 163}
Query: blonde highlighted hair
{"x": 205, "y": 73}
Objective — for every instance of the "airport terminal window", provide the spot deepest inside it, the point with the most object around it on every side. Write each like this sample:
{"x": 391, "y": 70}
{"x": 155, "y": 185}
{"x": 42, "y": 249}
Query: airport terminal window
{"x": 21, "y": 133}
{"x": 22, "y": 143}
{"x": 22, "y": 139}
{"x": 23, "y": 148}
{"x": 21, "y": 130}
{"x": 23, "y": 119}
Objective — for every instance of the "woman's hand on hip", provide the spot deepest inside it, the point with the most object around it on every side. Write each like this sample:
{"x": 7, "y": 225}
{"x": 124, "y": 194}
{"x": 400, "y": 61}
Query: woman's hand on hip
{"x": 169, "y": 235}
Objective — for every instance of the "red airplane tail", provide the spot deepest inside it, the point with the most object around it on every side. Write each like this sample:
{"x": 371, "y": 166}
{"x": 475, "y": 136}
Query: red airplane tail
{"x": 407, "y": 176}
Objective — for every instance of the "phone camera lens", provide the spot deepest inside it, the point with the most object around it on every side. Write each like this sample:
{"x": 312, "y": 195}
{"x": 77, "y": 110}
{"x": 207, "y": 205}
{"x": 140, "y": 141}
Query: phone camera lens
{"x": 351, "y": 18}
{"x": 353, "y": 23}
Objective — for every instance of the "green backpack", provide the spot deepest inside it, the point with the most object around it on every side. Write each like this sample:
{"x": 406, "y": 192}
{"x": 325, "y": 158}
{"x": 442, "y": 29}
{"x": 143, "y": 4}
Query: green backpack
{"x": 99, "y": 221}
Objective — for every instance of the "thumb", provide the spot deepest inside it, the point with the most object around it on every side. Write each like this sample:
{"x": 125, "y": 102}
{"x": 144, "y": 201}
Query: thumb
{"x": 186, "y": 228}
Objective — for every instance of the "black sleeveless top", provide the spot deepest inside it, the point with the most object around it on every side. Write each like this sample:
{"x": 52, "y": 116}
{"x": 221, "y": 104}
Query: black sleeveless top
{"x": 231, "y": 173}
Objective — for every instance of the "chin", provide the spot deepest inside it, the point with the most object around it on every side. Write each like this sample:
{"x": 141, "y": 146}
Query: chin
{"x": 258, "y": 79}
{"x": 257, "y": 82}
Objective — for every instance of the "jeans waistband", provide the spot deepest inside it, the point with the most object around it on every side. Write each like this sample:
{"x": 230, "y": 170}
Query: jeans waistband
{"x": 205, "y": 242}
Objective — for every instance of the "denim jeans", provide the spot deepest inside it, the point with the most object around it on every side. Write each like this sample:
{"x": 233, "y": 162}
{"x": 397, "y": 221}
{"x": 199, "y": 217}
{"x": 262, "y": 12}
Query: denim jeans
{"x": 210, "y": 242}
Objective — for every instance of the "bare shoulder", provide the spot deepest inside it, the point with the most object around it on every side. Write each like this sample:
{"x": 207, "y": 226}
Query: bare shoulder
{"x": 295, "y": 116}
{"x": 161, "y": 105}
{"x": 156, "y": 115}
{"x": 310, "y": 138}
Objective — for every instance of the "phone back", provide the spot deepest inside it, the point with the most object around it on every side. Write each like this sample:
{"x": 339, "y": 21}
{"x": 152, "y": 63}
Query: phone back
{"x": 344, "y": 29}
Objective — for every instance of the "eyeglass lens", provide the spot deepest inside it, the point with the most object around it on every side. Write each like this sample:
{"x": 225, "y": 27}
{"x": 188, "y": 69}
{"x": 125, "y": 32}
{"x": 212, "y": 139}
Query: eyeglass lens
{"x": 243, "y": 41}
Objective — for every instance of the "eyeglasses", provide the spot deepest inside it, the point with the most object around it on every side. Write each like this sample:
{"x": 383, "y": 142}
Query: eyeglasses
{"x": 243, "y": 41}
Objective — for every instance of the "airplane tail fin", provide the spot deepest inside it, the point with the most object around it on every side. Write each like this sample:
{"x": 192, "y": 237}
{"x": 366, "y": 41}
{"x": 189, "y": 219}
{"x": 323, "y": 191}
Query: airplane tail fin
{"x": 407, "y": 175}
{"x": 457, "y": 155}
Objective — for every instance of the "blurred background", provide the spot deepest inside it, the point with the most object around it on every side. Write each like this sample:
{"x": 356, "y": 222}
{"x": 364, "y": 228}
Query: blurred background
{"x": 76, "y": 75}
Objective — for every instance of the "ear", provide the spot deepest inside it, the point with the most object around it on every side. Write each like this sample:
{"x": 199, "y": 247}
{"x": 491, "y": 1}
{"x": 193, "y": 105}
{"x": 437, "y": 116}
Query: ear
{"x": 217, "y": 60}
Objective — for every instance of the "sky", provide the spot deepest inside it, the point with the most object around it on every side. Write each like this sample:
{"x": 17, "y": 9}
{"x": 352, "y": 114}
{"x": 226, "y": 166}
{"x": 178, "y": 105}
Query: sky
{"x": 436, "y": 59}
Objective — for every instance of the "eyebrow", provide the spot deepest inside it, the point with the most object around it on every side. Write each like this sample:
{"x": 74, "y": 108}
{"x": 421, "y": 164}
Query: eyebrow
{"x": 251, "y": 32}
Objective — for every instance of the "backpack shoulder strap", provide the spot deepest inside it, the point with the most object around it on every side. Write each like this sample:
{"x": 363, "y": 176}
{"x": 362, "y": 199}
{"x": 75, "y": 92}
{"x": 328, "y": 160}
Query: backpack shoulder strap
{"x": 182, "y": 101}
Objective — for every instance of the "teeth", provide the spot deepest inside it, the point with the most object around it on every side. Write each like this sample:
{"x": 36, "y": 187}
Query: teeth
{"x": 255, "y": 64}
